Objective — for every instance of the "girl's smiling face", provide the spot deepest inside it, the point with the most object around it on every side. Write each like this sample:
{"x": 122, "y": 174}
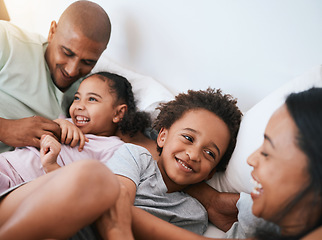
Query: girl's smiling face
{"x": 192, "y": 148}
{"x": 94, "y": 109}
{"x": 280, "y": 171}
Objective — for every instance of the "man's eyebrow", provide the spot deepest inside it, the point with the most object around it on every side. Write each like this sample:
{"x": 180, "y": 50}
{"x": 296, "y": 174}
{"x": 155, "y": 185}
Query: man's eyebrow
{"x": 68, "y": 50}
{"x": 212, "y": 143}
{"x": 269, "y": 140}
{"x": 84, "y": 60}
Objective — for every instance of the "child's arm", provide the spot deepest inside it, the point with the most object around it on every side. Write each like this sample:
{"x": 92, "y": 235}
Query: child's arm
{"x": 116, "y": 223}
{"x": 71, "y": 134}
{"x": 49, "y": 150}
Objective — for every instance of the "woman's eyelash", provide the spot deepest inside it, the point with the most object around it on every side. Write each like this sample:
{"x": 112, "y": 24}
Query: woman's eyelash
{"x": 264, "y": 154}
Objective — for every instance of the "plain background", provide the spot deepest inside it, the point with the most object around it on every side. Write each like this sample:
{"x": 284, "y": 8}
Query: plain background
{"x": 245, "y": 47}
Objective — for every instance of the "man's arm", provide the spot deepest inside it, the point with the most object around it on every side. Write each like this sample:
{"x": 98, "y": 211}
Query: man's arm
{"x": 27, "y": 131}
{"x": 221, "y": 207}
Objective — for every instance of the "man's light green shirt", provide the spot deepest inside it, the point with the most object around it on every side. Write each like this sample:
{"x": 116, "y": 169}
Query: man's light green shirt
{"x": 26, "y": 88}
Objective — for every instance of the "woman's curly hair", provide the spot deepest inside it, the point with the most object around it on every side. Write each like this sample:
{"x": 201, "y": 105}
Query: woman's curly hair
{"x": 222, "y": 105}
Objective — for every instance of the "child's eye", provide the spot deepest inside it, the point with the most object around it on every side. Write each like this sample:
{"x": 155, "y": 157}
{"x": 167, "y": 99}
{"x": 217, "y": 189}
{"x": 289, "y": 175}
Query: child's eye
{"x": 91, "y": 99}
{"x": 211, "y": 154}
{"x": 190, "y": 139}
{"x": 76, "y": 98}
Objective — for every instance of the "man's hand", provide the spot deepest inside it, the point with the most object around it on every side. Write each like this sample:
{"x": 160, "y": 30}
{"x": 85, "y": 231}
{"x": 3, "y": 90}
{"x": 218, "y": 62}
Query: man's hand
{"x": 27, "y": 131}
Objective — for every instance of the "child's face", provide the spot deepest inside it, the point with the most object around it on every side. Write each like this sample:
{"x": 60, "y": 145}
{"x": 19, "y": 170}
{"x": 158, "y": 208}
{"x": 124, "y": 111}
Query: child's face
{"x": 93, "y": 109}
{"x": 192, "y": 148}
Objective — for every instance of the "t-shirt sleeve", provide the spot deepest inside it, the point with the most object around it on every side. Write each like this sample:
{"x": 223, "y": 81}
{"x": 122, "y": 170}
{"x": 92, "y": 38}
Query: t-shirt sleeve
{"x": 130, "y": 161}
{"x": 4, "y": 45}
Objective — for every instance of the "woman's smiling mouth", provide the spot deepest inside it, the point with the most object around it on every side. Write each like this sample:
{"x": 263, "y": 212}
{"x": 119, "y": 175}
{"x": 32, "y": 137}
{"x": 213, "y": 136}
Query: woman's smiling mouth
{"x": 257, "y": 190}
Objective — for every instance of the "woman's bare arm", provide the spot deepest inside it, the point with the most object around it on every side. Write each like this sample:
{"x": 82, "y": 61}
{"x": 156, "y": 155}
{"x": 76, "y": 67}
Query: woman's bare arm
{"x": 221, "y": 207}
{"x": 147, "y": 226}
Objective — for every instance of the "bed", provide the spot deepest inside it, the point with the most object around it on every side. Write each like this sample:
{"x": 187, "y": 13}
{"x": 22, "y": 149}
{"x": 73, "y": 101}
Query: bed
{"x": 149, "y": 93}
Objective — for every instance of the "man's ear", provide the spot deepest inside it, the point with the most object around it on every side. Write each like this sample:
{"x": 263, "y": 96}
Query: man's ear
{"x": 162, "y": 137}
{"x": 211, "y": 174}
{"x": 119, "y": 113}
{"x": 52, "y": 31}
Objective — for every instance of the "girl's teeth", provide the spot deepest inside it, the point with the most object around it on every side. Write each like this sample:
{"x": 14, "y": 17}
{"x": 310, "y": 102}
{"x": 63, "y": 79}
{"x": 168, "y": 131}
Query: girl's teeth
{"x": 81, "y": 119}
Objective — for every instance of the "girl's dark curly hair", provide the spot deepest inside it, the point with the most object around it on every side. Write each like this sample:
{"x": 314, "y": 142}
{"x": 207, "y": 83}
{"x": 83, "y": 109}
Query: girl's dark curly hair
{"x": 223, "y": 105}
{"x": 133, "y": 121}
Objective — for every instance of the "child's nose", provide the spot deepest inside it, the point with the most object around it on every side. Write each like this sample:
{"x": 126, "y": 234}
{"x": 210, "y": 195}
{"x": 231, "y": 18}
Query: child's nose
{"x": 80, "y": 106}
{"x": 193, "y": 154}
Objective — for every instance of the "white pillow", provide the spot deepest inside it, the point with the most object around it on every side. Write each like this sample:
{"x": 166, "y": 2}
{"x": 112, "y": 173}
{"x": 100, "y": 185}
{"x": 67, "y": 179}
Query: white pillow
{"x": 237, "y": 176}
{"x": 147, "y": 91}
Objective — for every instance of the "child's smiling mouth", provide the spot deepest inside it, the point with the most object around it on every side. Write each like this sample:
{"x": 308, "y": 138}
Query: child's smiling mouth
{"x": 184, "y": 165}
{"x": 81, "y": 120}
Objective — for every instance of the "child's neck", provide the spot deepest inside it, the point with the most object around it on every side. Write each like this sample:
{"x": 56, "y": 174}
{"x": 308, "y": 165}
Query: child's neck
{"x": 171, "y": 186}
{"x": 141, "y": 140}
{"x": 151, "y": 145}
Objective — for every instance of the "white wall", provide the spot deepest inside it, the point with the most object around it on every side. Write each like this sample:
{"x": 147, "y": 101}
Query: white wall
{"x": 246, "y": 47}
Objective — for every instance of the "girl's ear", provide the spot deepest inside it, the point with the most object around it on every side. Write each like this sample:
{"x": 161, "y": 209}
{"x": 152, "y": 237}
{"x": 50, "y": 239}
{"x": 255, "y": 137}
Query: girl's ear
{"x": 163, "y": 133}
{"x": 119, "y": 113}
{"x": 52, "y": 31}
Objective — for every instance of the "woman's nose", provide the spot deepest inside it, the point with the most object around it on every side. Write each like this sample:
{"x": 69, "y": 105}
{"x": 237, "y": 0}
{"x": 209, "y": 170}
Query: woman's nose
{"x": 253, "y": 158}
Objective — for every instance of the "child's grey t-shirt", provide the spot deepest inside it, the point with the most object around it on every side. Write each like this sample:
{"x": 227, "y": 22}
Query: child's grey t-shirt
{"x": 178, "y": 208}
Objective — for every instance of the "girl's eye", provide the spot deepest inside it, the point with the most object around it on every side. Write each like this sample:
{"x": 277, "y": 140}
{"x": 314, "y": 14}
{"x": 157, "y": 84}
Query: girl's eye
{"x": 91, "y": 99}
{"x": 190, "y": 139}
{"x": 76, "y": 98}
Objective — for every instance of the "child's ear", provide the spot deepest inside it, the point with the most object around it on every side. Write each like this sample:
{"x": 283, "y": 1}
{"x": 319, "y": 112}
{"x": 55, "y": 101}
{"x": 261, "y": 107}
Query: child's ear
{"x": 120, "y": 112}
{"x": 162, "y": 137}
{"x": 211, "y": 174}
